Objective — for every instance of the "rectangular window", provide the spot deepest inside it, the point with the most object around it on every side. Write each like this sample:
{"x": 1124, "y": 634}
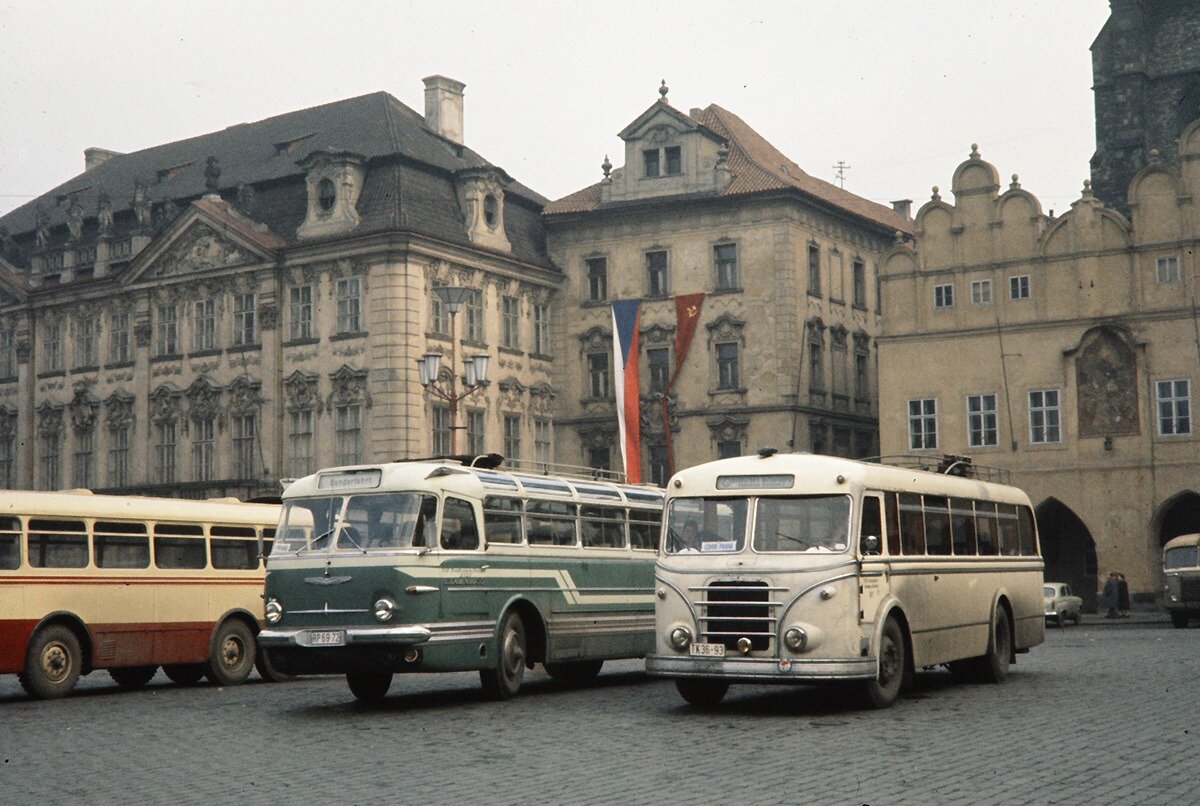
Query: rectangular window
{"x": 656, "y": 273}
{"x": 121, "y": 545}
{"x": 512, "y": 436}
{"x": 234, "y": 547}
{"x": 987, "y": 528}
{"x": 645, "y": 526}
{"x": 726, "y": 259}
{"x": 168, "y": 330}
{"x": 922, "y": 424}
{"x": 441, "y": 430}
{"x": 118, "y": 338}
{"x": 179, "y": 545}
{"x": 49, "y": 446}
{"x": 673, "y": 160}
{"x": 981, "y": 292}
{"x": 475, "y": 432}
{"x": 118, "y": 456}
{"x": 348, "y": 434}
{"x": 1044, "y": 417}
{"x": 658, "y": 362}
{"x": 862, "y": 379}
{"x": 550, "y": 523}
{"x": 1174, "y": 407}
{"x": 244, "y": 323}
{"x": 85, "y": 446}
{"x": 816, "y": 366}
{"x": 52, "y": 347}
{"x": 164, "y": 452}
{"x": 57, "y": 544}
{"x": 859, "y": 278}
{"x": 597, "y": 278}
{"x": 912, "y": 524}
{"x": 349, "y": 305}
{"x": 728, "y": 371}
{"x": 543, "y": 448}
{"x": 1018, "y": 287}
{"x": 511, "y": 323}
{"x": 943, "y": 296}
{"x": 8, "y": 461}
{"x": 502, "y": 519}
{"x": 85, "y": 342}
{"x": 541, "y": 329}
{"x": 1167, "y": 269}
{"x": 937, "y": 525}
{"x": 245, "y": 446}
{"x": 204, "y": 334}
{"x": 602, "y": 527}
{"x": 474, "y": 311}
{"x": 659, "y": 466}
{"x": 203, "y": 447}
{"x": 439, "y": 320}
{"x": 814, "y": 270}
{"x": 962, "y": 526}
{"x": 650, "y": 162}
{"x": 729, "y": 448}
{"x": 597, "y": 368}
{"x": 300, "y": 442}
{"x": 300, "y": 321}
{"x": 981, "y": 421}
{"x": 8, "y": 354}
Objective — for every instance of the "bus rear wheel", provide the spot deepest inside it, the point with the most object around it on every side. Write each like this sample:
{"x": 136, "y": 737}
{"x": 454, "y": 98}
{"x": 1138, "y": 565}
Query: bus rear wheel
{"x": 369, "y": 686}
{"x": 132, "y": 676}
{"x": 702, "y": 693}
{"x": 184, "y": 674}
{"x": 991, "y": 667}
{"x": 53, "y": 663}
{"x": 269, "y": 671}
{"x": 884, "y": 690}
{"x": 504, "y": 680}
{"x": 232, "y": 655}
{"x": 575, "y": 672}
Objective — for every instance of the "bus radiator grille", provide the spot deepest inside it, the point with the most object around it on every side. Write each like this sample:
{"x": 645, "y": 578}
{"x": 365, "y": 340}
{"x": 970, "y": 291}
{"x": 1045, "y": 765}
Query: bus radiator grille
{"x": 738, "y": 609}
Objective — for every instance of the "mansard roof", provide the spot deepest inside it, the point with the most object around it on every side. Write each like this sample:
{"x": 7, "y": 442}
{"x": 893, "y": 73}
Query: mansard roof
{"x": 409, "y": 184}
{"x": 756, "y": 167}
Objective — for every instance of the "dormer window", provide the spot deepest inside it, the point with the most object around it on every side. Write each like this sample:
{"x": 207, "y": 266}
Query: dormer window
{"x": 674, "y": 160}
{"x": 490, "y": 210}
{"x": 326, "y": 194}
{"x": 663, "y": 161}
{"x": 650, "y": 156}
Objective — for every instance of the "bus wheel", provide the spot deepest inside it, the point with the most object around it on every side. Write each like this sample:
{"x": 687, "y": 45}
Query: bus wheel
{"x": 993, "y": 666}
{"x": 370, "y": 687}
{"x": 702, "y": 693}
{"x": 269, "y": 671}
{"x": 184, "y": 674}
{"x": 232, "y": 655}
{"x": 575, "y": 672}
{"x": 1179, "y": 619}
{"x": 133, "y": 676}
{"x": 504, "y": 680}
{"x": 52, "y": 663}
{"x": 884, "y": 690}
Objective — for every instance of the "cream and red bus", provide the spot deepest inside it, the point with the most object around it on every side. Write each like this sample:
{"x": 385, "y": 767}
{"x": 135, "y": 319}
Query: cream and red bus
{"x": 129, "y": 584}
{"x": 800, "y": 568}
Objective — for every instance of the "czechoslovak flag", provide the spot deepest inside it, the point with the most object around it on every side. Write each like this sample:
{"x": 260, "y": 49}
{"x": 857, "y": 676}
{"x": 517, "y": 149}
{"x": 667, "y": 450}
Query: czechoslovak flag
{"x": 626, "y": 315}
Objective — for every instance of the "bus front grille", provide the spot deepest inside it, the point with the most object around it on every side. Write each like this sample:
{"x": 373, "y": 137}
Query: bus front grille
{"x": 1189, "y": 589}
{"x": 738, "y": 609}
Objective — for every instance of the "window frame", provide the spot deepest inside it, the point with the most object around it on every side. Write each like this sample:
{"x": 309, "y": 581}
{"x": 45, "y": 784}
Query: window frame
{"x": 1044, "y": 409}
{"x": 726, "y": 270}
{"x": 981, "y": 416}
{"x": 981, "y": 292}
{"x": 922, "y": 417}
{"x": 1173, "y": 399}
{"x": 1018, "y": 287}
{"x": 596, "y": 272}
{"x": 943, "y": 296}
{"x": 1172, "y": 264}
{"x": 658, "y": 278}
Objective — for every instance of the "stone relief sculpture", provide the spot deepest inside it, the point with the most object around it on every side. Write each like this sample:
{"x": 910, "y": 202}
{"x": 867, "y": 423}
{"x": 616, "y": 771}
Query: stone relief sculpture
{"x": 1106, "y": 379}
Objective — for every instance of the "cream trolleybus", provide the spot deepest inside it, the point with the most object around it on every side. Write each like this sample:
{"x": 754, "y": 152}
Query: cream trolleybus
{"x": 433, "y": 566}
{"x": 128, "y": 584}
{"x": 800, "y": 568}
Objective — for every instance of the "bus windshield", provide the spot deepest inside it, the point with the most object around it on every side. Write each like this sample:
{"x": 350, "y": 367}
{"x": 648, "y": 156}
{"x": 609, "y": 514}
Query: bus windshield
{"x": 377, "y": 522}
{"x": 1181, "y": 557}
{"x": 706, "y": 525}
{"x": 809, "y": 523}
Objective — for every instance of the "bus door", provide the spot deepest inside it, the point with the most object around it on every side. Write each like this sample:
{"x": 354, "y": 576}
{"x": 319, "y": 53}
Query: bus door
{"x": 872, "y": 584}
{"x": 468, "y": 590}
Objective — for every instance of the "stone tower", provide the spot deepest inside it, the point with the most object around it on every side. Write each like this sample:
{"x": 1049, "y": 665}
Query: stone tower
{"x": 1146, "y": 68}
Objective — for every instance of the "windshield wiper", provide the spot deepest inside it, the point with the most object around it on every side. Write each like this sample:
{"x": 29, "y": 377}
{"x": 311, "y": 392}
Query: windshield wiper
{"x": 795, "y": 540}
{"x": 312, "y": 543}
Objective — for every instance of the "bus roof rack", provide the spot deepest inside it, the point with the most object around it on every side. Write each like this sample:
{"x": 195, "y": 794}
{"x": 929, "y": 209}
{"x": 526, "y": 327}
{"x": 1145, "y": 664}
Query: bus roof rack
{"x": 947, "y": 465}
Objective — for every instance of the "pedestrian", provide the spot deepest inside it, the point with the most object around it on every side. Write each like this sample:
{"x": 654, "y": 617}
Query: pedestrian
{"x": 1108, "y": 598}
{"x": 1122, "y": 596}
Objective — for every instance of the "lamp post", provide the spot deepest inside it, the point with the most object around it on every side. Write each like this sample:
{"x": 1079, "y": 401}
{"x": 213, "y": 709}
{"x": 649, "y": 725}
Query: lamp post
{"x": 429, "y": 366}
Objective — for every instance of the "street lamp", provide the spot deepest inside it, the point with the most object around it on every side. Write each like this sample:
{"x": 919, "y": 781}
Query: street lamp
{"x": 429, "y": 366}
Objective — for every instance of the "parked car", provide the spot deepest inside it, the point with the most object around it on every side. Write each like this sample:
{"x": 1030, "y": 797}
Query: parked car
{"x": 1060, "y": 605}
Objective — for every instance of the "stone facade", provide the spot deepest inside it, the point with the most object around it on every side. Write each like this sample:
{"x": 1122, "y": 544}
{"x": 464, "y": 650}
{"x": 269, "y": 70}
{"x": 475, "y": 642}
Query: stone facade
{"x": 783, "y": 355}
{"x": 1146, "y": 67}
{"x": 1063, "y": 349}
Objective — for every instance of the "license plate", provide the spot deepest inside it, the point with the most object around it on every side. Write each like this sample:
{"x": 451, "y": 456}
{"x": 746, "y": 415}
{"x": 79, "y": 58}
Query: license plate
{"x": 707, "y": 650}
{"x": 326, "y": 638}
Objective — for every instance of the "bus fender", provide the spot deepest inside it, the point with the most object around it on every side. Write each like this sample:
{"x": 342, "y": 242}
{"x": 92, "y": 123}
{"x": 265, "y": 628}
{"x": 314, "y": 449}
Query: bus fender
{"x": 239, "y": 613}
{"x": 75, "y": 623}
{"x": 535, "y": 641}
{"x": 1003, "y": 593}
{"x": 888, "y": 607}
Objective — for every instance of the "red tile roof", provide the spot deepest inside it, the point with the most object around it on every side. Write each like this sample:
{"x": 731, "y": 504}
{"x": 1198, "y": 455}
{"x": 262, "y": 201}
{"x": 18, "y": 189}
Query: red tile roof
{"x": 757, "y": 167}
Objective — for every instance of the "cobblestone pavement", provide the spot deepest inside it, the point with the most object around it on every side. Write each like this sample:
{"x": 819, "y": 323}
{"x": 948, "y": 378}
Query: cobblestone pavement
{"x": 1101, "y": 714}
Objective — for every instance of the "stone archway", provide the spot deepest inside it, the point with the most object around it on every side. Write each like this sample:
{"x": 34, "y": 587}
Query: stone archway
{"x": 1068, "y": 550}
{"x": 1178, "y": 515}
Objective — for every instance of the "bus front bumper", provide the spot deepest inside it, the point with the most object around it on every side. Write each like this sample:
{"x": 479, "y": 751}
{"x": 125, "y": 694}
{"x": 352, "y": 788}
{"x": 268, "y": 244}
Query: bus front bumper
{"x": 797, "y": 670}
{"x": 315, "y": 637}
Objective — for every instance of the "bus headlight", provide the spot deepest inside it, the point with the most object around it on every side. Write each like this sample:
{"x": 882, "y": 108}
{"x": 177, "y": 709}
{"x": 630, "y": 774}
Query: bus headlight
{"x": 274, "y": 611}
{"x": 681, "y": 637}
{"x": 384, "y": 609}
{"x": 796, "y": 639}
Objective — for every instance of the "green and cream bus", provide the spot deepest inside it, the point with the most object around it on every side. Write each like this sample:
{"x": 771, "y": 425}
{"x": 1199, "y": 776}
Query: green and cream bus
{"x": 798, "y": 568}
{"x": 1181, "y": 578}
{"x": 433, "y": 566}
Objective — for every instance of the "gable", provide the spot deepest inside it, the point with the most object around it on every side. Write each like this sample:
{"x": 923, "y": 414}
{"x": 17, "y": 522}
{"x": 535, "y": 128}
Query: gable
{"x": 199, "y": 248}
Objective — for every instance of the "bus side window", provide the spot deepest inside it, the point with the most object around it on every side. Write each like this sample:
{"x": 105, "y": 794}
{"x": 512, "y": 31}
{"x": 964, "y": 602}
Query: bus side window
{"x": 121, "y": 545}
{"x": 962, "y": 524}
{"x": 1025, "y": 525}
{"x": 893, "y": 524}
{"x": 502, "y": 519}
{"x": 268, "y": 538}
{"x": 871, "y": 525}
{"x": 459, "y": 532}
{"x": 233, "y": 547}
{"x": 912, "y": 524}
{"x": 937, "y": 525}
{"x": 57, "y": 544}
{"x": 179, "y": 545}
{"x": 987, "y": 528}
{"x": 425, "y": 535}
{"x": 1010, "y": 538}
{"x": 644, "y": 528}
{"x": 10, "y": 543}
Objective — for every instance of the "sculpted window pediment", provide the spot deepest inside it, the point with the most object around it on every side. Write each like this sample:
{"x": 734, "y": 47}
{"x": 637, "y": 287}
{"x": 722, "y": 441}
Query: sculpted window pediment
{"x": 349, "y": 388}
{"x": 199, "y": 248}
{"x": 481, "y": 197}
{"x": 118, "y": 410}
{"x": 728, "y": 429}
{"x": 300, "y": 391}
{"x": 203, "y": 398}
{"x": 165, "y": 403}
{"x": 245, "y": 395}
{"x": 50, "y": 418}
{"x": 84, "y": 410}
{"x": 726, "y": 328}
{"x": 657, "y": 334}
{"x": 595, "y": 339}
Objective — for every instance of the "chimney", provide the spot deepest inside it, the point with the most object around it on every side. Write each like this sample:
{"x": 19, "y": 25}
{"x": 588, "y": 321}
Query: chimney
{"x": 903, "y": 207}
{"x": 97, "y": 156}
{"x": 444, "y": 107}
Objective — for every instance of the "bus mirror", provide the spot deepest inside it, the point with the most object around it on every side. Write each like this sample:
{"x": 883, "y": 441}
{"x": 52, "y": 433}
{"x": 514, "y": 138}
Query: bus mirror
{"x": 870, "y": 544}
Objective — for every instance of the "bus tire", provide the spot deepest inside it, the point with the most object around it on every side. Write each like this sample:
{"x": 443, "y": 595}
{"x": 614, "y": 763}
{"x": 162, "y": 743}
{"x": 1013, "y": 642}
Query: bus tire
{"x": 232, "y": 655}
{"x": 504, "y": 680}
{"x": 268, "y": 671}
{"x": 369, "y": 686}
{"x": 884, "y": 689}
{"x": 575, "y": 672}
{"x": 130, "y": 677}
{"x": 701, "y": 693}
{"x": 53, "y": 663}
{"x": 184, "y": 674}
{"x": 1179, "y": 619}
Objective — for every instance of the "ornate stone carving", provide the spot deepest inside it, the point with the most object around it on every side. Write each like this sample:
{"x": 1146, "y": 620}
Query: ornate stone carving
{"x": 75, "y": 218}
{"x": 334, "y": 180}
{"x": 245, "y": 395}
{"x": 481, "y": 197}
{"x": 541, "y": 396}
{"x": 84, "y": 409}
{"x": 862, "y": 342}
{"x": 595, "y": 340}
{"x": 657, "y": 334}
{"x": 118, "y": 410}
{"x": 104, "y": 214}
{"x": 49, "y": 419}
{"x": 837, "y": 336}
{"x": 204, "y": 399}
{"x": 165, "y": 402}
{"x": 300, "y": 391}
{"x": 268, "y": 316}
{"x": 1106, "y": 377}
{"x": 199, "y": 248}
{"x": 41, "y": 226}
{"x": 650, "y": 413}
{"x": 141, "y": 206}
{"x": 726, "y": 328}
{"x": 349, "y": 388}
{"x": 593, "y": 437}
{"x": 729, "y": 428}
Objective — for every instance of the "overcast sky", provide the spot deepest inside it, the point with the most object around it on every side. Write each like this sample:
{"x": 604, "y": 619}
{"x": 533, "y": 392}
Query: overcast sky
{"x": 898, "y": 89}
